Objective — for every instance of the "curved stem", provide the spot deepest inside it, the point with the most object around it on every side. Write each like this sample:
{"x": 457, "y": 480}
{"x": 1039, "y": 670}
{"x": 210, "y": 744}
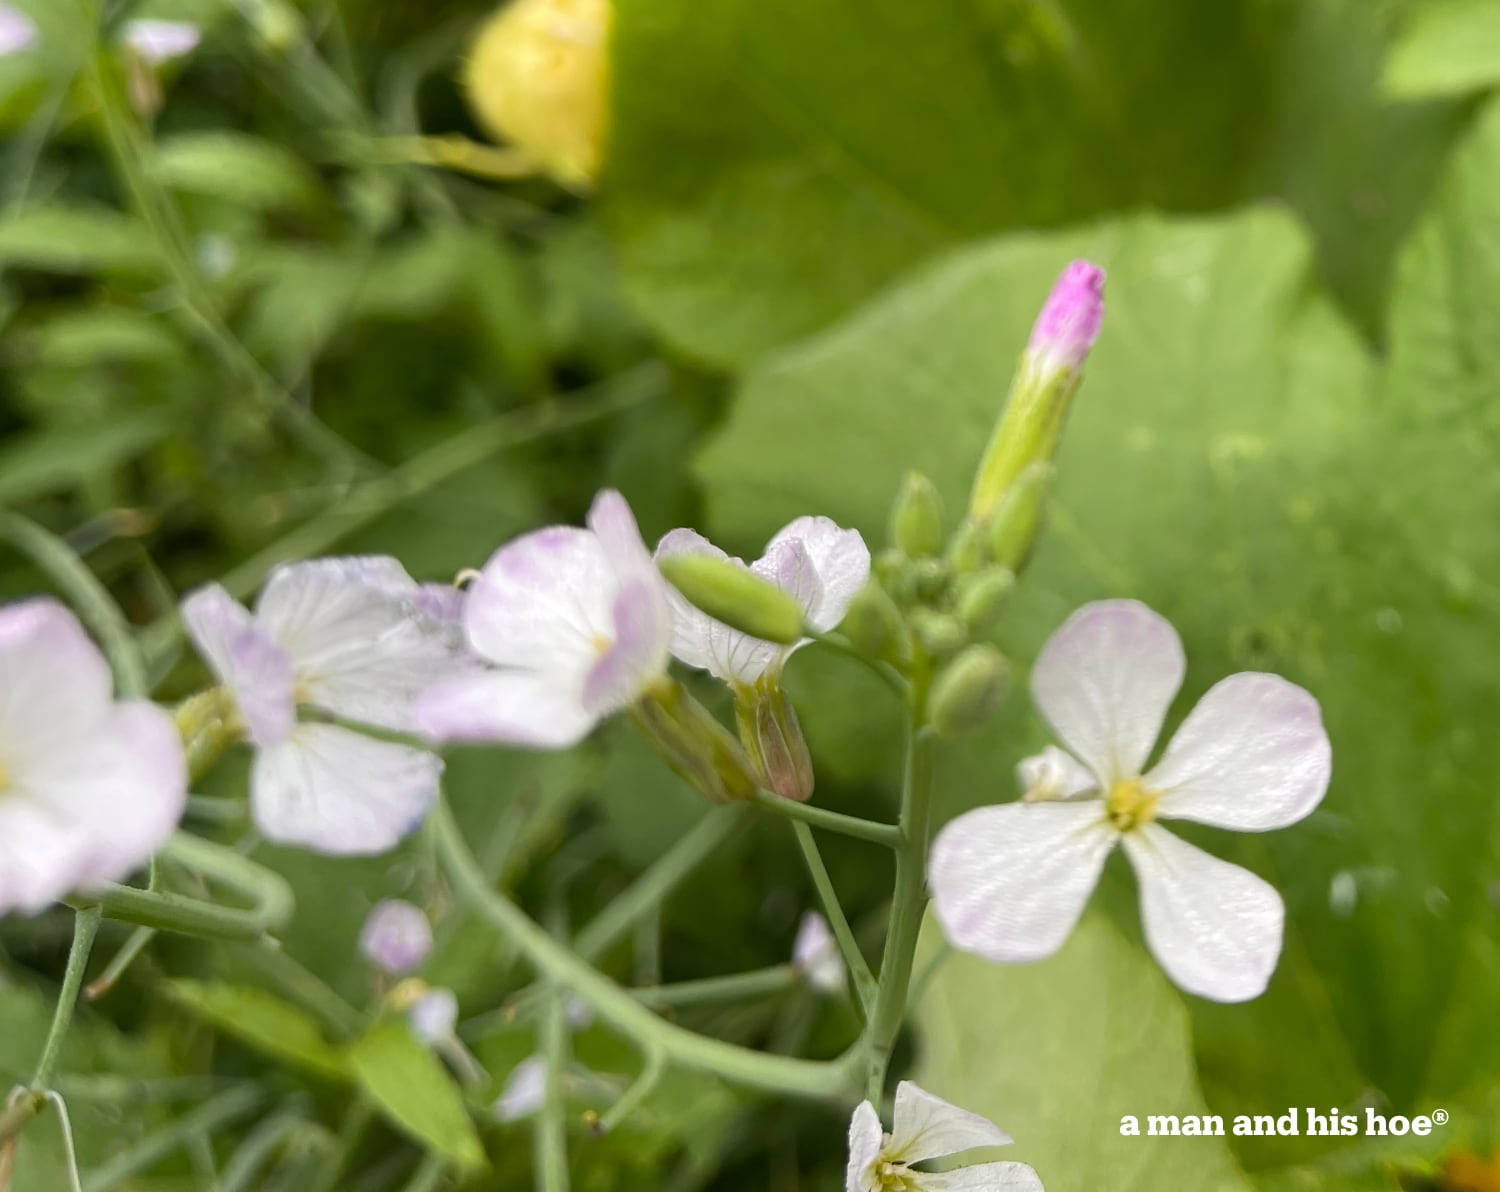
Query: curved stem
{"x": 833, "y": 821}
{"x": 85, "y": 928}
{"x": 887, "y": 673}
{"x": 854, "y": 960}
{"x": 740, "y": 1065}
{"x": 732, "y": 988}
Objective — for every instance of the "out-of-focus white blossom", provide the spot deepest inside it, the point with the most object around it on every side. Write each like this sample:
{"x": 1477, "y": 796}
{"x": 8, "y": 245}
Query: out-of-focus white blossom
{"x": 815, "y": 954}
{"x": 396, "y": 937}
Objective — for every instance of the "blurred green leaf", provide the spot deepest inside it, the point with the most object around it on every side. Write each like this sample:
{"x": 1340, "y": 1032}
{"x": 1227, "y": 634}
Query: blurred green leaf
{"x": 264, "y": 1022}
{"x": 41, "y": 462}
{"x": 236, "y": 166}
{"x": 1058, "y": 1052}
{"x": 413, "y": 1089}
{"x": 81, "y": 338}
{"x": 60, "y": 238}
{"x": 1448, "y": 47}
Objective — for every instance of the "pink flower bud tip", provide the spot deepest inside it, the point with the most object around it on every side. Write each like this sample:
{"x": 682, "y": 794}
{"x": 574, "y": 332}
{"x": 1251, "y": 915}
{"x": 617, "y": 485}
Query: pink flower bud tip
{"x": 1070, "y": 319}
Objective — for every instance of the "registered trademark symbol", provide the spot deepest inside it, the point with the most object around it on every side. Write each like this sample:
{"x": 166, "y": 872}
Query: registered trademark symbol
{"x": 1440, "y": 1116}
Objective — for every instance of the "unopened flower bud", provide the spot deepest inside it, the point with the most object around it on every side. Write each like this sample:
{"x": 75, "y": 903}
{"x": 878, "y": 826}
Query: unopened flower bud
{"x": 538, "y": 78}
{"x": 931, "y": 576}
{"x": 873, "y": 623}
{"x": 968, "y": 550}
{"x": 434, "y": 1015}
{"x": 773, "y": 738}
{"x": 695, "y": 746}
{"x": 396, "y": 937}
{"x": 897, "y": 573}
{"x": 1018, "y": 517}
{"x": 736, "y": 596}
{"x": 982, "y": 595}
{"x": 938, "y": 633}
{"x": 917, "y": 517}
{"x": 967, "y": 691}
{"x": 1044, "y": 384}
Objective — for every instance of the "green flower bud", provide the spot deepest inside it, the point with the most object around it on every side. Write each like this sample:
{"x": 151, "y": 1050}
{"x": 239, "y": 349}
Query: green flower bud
{"x": 873, "y": 623}
{"x": 917, "y": 517}
{"x": 967, "y": 691}
{"x": 931, "y": 576}
{"x": 938, "y": 633}
{"x": 982, "y": 595}
{"x": 736, "y": 596}
{"x": 968, "y": 549}
{"x": 773, "y": 738}
{"x": 898, "y": 574}
{"x": 1018, "y": 518}
{"x": 695, "y": 746}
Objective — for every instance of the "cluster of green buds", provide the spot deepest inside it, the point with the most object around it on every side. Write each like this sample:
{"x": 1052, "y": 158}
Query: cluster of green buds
{"x": 939, "y": 588}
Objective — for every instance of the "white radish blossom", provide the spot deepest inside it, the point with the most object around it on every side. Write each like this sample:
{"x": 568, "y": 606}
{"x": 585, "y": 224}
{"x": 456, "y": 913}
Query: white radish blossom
{"x": 1010, "y": 882}
{"x": 17, "y": 31}
{"x": 815, "y": 954}
{"x": 927, "y": 1127}
{"x": 525, "y": 1090}
{"x": 396, "y": 937}
{"x": 161, "y": 41}
{"x": 90, "y": 786}
{"x": 346, "y": 637}
{"x": 434, "y": 1016}
{"x": 574, "y": 626}
{"x": 821, "y": 565}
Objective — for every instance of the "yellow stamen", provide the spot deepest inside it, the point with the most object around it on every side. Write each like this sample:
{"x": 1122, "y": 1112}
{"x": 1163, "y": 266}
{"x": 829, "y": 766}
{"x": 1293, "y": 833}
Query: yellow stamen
{"x": 1131, "y": 805}
{"x": 601, "y": 643}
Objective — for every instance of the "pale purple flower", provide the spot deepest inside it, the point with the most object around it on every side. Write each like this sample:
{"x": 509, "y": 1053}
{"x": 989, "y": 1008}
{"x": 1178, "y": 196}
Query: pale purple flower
{"x": 345, "y": 637}
{"x": 927, "y": 1127}
{"x": 18, "y": 32}
{"x": 1009, "y": 882}
{"x": 396, "y": 937}
{"x": 815, "y": 954}
{"x": 1070, "y": 319}
{"x": 90, "y": 786}
{"x": 161, "y": 41}
{"x": 433, "y": 1016}
{"x": 574, "y": 625}
{"x": 525, "y": 1090}
{"x": 820, "y": 564}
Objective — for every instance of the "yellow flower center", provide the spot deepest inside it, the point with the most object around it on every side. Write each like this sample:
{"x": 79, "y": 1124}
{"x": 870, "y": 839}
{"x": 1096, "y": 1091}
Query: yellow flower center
{"x": 1130, "y": 805}
{"x": 895, "y": 1177}
{"x": 601, "y": 643}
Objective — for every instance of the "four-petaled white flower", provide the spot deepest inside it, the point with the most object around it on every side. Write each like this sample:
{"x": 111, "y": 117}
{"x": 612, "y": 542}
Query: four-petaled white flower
{"x": 927, "y": 1127}
{"x": 575, "y": 626}
{"x": 346, "y": 637}
{"x": 89, "y": 787}
{"x": 1010, "y": 882}
{"x": 815, "y": 954}
{"x": 396, "y": 937}
{"x": 821, "y": 565}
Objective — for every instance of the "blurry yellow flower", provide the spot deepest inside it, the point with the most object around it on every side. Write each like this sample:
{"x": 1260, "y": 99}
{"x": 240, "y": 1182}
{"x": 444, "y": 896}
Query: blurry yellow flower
{"x": 538, "y": 78}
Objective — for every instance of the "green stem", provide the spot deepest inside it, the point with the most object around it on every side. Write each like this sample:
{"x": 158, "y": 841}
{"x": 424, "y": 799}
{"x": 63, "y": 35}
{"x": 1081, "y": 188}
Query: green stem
{"x": 260, "y": 1145}
{"x": 887, "y": 673}
{"x": 833, "y": 821}
{"x": 550, "y": 1137}
{"x": 89, "y": 598}
{"x": 732, "y": 988}
{"x": 207, "y": 1118}
{"x": 865, "y": 988}
{"x": 268, "y": 892}
{"x": 85, "y": 928}
{"x": 739, "y": 1065}
{"x": 909, "y": 901}
{"x": 635, "y": 1096}
{"x": 124, "y": 958}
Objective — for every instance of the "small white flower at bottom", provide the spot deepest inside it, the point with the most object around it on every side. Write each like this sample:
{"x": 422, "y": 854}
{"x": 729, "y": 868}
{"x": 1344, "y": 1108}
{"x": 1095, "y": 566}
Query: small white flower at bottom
{"x": 927, "y": 1127}
{"x": 1010, "y": 882}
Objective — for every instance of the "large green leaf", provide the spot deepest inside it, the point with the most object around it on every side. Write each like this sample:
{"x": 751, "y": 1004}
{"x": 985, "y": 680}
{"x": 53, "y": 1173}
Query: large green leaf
{"x": 262, "y": 1021}
{"x": 1236, "y": 460}
{"x": 1060, "y": 1053}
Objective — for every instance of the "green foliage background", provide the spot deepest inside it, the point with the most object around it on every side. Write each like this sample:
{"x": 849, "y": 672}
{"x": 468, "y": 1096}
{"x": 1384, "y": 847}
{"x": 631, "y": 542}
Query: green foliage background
{"x": 822, "y": 234}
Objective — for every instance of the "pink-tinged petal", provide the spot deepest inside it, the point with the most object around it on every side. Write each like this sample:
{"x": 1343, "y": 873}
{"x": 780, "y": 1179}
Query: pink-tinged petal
{"x": 612, "y": 521}
{"x": 161, "y": 41}
{"x": 638, "y": 655}
{"x": 984, "y": 1177}
{"x": 927, "y": 1127}
{"x": 1253, "y": 755}
{"x": 339, "y": 792}
{"x": 543, "y": 602}
{"x": 1104, "y": 682}
{"x": 1214, "y": 927}
{"x": 815, "y": 954}
{"x": 1009, "y": 882}
{"x": 839, "y": 557}
{"x": 510, "y": 707}
{"x": 691, "y": 626}
{"x": 441, "y": 602}
{"x": 17, "y": 31}
{"x": 788, "y": 565}
{"x": 55, "y": 686}
{"x": 257, "y": 671}
{"x": 1071, "y": 317}
{"x": 1053, "y": 774}
{"x": 865, "y": 1137}
{"x": 396, "y": 937}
